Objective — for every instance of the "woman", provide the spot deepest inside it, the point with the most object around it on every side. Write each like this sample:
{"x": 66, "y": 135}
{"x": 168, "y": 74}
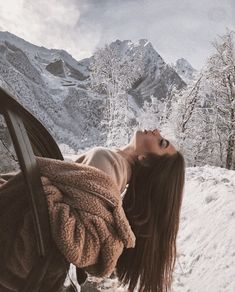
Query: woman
{"x": 154, "y": 171}
{"x": 88, "y": 225}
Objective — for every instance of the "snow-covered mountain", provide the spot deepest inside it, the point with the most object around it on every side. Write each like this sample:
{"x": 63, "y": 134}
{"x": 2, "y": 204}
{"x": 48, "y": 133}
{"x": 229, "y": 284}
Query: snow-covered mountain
{"x": 52, "y": 85}
{"x": 56, "y": 87}
{"x": 185, "y": 70}
{"x": 157, "y": 77}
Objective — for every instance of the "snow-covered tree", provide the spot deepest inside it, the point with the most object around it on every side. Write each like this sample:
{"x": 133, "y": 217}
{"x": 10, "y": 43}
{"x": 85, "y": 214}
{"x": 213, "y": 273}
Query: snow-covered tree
{"x": 220, "y": 74}
{"x": 202, "y": 115}
{"x": 185, "y": 117}
{"x": 149, "y": 118}
{"x": 113, "y": 74}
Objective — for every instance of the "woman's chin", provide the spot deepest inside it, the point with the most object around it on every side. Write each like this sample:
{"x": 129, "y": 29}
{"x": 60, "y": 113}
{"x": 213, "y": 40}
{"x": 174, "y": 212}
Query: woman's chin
{"x": 139, "y": 131}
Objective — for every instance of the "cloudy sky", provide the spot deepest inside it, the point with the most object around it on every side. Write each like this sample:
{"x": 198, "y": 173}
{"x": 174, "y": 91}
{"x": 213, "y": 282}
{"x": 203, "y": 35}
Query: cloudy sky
{"x": 176, "y": 28}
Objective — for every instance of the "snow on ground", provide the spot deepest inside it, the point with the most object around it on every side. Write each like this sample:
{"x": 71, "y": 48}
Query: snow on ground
{"x": 206, "y": 238}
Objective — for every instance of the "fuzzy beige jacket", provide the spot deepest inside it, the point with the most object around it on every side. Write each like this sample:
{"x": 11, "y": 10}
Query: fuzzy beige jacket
{"x": 88, "y": 223}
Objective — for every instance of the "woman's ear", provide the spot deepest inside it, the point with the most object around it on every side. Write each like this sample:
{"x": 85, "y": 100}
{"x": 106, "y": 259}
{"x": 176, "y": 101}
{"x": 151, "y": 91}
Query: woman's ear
{"x": 141, "y": 157}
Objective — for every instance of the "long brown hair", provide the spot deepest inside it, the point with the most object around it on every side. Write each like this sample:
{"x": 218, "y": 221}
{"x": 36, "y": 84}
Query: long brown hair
{"x": 152, "y": 205}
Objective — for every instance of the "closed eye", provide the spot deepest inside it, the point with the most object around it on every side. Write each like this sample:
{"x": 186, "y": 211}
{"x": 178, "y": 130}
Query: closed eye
{"x": 164, "y": 143}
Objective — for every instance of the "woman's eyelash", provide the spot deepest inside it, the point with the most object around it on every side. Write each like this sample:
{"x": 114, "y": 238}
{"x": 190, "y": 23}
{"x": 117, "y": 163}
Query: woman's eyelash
{"x": 167, "y": 143}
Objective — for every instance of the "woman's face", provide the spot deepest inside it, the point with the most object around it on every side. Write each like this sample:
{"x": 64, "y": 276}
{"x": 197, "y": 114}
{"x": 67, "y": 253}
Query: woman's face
{"x": 145, "y": 141}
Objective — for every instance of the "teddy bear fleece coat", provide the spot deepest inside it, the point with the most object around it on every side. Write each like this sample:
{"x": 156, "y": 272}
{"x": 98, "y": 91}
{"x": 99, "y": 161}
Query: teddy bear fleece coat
{"x": 88, "y": 223}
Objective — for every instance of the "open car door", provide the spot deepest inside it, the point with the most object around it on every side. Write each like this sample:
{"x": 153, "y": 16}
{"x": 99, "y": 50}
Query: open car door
{"x": 31, "y": 138}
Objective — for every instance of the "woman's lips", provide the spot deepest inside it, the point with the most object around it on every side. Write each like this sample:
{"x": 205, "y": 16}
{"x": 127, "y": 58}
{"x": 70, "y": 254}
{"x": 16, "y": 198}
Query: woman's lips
{"x": 148, "y": 131}
{"x": 153, "y": 132}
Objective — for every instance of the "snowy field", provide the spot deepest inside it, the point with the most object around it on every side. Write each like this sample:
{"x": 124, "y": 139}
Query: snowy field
{"x": 206, "y": 239}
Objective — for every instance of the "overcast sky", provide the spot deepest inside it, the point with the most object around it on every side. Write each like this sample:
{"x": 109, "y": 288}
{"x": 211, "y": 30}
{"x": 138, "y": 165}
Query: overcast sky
{"x": 176, "y": 28}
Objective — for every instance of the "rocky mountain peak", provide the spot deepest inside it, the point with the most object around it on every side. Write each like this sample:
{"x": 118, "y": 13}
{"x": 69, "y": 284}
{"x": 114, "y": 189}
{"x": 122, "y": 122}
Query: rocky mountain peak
{"x": 184, "y": 69}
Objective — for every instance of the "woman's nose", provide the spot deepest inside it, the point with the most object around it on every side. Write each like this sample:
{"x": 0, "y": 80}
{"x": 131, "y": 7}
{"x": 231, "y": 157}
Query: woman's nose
{"x": 156, "y": 131}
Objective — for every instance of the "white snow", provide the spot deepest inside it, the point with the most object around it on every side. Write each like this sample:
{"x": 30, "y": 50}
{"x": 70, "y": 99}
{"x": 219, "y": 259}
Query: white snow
{"x": 206, "y": 244}
{"x": 206, "y": 238}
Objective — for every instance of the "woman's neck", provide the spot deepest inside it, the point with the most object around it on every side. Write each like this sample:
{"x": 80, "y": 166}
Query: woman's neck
{"x": 128, "y": 153}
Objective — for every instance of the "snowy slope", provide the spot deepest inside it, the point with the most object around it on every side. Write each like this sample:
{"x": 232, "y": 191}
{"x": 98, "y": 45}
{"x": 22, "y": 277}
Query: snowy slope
{"x": 206, "y": 244}
{"x": 206, "y": 238}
